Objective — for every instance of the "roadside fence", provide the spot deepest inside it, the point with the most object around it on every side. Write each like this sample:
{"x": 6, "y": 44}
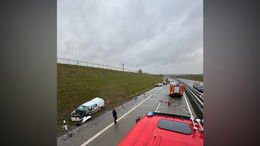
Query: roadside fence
{"x": 91, "y": 64}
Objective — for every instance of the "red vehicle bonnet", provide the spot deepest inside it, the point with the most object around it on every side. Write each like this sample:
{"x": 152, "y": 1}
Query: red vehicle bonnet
{"x": 146, "y": 132}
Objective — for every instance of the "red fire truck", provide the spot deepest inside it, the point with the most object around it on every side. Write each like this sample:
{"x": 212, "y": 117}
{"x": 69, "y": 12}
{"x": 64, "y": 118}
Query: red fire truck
{"x": 162, "y": 129}
{"x": 176, "y": 89}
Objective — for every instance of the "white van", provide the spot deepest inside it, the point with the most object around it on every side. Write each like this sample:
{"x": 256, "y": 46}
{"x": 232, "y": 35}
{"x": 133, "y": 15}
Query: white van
{"x": 87, "y": 109}
{"x": 99, "y": 101}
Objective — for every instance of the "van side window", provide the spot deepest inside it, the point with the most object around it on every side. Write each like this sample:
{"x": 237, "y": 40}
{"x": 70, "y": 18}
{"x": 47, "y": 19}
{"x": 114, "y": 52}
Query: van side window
{"x": 93, "y": 106}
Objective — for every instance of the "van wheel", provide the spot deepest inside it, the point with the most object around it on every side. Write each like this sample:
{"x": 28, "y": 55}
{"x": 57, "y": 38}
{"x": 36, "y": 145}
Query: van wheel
{"x": 77, "y": 123}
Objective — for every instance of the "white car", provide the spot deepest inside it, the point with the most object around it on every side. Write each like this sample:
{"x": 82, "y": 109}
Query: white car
{"x": 159, "y": 84}
{"x": 84, "y": 111}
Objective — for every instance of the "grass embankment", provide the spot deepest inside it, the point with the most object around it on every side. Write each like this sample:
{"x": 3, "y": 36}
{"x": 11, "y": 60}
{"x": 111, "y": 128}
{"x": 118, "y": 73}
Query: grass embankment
{"x": 192, "y": 77}
{"x": 78, "y": 84}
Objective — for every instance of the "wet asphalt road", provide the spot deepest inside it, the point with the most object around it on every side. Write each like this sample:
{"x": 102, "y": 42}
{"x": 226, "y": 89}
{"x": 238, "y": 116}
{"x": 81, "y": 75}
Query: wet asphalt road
{"x": 102, "y": 132}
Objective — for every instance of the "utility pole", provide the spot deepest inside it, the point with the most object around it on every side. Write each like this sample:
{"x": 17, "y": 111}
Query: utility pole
{"x": 123, "y": 66}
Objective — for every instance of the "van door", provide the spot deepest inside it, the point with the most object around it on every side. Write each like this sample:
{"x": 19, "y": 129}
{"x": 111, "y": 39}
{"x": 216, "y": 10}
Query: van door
{"x": 94, "y": 108}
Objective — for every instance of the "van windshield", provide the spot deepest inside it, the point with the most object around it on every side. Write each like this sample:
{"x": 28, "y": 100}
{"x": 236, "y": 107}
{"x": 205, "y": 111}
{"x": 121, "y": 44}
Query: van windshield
{"x": 82, "y": 108}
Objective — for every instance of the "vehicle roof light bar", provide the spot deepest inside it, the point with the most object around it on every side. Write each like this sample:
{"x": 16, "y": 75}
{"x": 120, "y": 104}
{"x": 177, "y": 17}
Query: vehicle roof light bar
{"x": 150, "y": 114}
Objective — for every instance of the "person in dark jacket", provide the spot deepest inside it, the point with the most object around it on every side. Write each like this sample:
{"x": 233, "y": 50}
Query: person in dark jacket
{"x": 114, "y": 115}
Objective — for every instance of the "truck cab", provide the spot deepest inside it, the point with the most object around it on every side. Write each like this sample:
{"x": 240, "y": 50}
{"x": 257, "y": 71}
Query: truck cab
{"x": 163, "y": 129}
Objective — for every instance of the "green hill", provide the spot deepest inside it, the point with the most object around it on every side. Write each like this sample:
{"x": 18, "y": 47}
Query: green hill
{"x": 78, "y": 84}
{"x": 192, "y": 77}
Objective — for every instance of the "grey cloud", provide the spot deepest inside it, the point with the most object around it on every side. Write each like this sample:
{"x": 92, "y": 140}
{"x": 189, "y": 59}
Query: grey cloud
{"x": 157, "y": 36}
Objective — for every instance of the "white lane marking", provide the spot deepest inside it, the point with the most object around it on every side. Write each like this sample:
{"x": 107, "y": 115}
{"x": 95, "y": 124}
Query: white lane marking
{"x": 110, "y": 125}
{"x": 188, "y": 106}
{"x": 157, "y": 107}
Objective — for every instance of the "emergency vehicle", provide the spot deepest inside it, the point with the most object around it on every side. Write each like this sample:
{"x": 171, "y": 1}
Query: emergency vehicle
{"x": 163, "y": 129}
{"x": 176, "y": 89}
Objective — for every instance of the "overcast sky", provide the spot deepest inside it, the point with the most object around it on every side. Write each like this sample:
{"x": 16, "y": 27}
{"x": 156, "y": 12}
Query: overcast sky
{"x": 157, "y": 36}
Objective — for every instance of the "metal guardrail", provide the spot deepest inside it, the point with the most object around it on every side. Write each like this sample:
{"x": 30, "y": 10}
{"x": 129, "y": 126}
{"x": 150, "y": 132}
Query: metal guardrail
{"x": 196, "y": 99}
{"x": 199, "y": 94}
{"x": 196, "y": 92}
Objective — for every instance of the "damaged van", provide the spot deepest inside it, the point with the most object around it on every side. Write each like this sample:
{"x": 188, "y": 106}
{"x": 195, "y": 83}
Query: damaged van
{"x": 84, "y": 111}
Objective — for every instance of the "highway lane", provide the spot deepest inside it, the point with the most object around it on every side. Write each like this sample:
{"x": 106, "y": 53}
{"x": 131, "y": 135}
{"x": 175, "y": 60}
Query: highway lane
{"x": 102, "y": 131}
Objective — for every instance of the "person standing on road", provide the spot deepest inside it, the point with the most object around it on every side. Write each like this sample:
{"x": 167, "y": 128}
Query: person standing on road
{"x": 114, "y": 115}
